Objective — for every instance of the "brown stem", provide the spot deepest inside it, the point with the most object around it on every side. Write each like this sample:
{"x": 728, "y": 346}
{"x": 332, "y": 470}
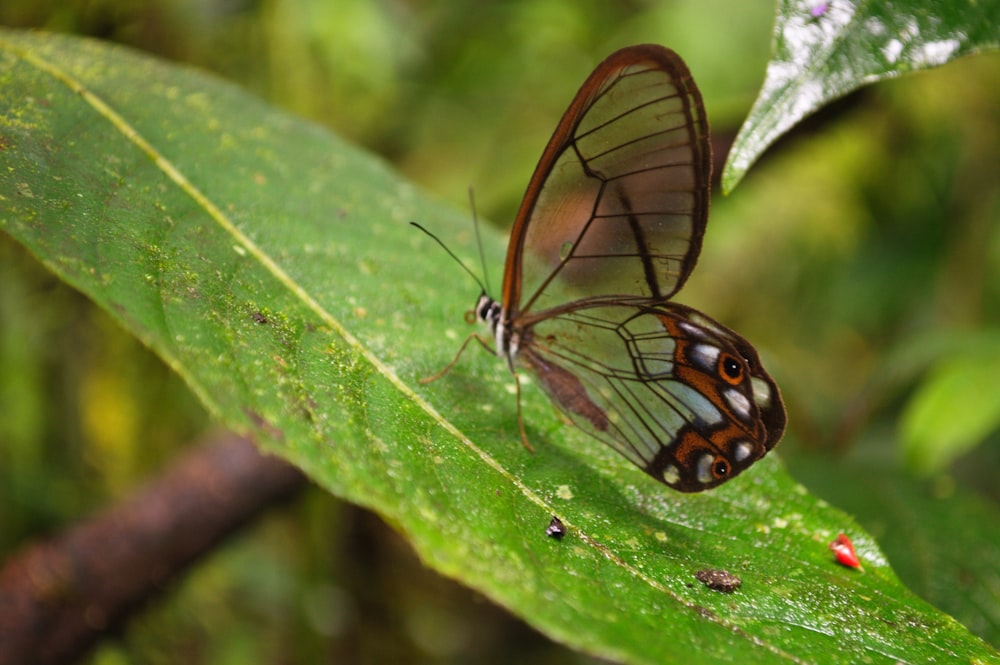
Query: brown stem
{"x": 58, "y": 597}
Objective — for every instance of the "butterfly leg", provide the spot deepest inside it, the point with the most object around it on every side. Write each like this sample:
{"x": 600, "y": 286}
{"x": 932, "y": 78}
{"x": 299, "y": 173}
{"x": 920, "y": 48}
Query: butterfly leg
{"x": 447, "y": 368}
{"x": 520, "y": 418}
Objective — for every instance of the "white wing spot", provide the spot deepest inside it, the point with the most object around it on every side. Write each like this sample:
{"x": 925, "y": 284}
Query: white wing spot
{"x": 706, "y": 355}
{"x": 691, "y": 329}
{"x": 671, "y": 474}
{"x": 705, "y": 468}
{"x": 738, "y": 402}
{"x": 761, "y": 392}
{"x": 742, "y": 451}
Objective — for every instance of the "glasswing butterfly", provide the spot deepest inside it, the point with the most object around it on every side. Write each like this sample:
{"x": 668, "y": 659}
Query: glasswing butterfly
{"x": 608, "y": 231}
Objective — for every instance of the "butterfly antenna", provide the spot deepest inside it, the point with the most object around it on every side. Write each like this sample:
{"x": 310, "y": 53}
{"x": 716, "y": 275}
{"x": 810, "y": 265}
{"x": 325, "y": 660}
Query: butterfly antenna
{"x": 479, "y": 239}
{"x": 452, "y": 254}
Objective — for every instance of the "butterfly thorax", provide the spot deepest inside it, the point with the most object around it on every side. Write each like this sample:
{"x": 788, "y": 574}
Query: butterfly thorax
{"x": 505, "y": 339}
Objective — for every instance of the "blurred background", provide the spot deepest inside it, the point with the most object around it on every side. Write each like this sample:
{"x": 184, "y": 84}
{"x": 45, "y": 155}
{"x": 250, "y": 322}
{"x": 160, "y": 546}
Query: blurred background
{"x": 861, "y": 256}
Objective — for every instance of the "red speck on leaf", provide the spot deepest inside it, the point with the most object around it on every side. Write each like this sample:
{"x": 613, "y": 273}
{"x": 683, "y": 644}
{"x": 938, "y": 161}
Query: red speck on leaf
{"x": 843, "y": 550}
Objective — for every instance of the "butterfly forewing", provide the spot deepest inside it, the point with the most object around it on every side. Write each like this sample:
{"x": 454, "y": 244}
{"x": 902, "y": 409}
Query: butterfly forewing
{"x": 617, "y": 206}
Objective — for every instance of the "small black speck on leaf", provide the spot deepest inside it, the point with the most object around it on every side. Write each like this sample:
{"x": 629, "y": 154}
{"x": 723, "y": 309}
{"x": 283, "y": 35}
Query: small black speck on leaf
{"x": 556, "y": 529}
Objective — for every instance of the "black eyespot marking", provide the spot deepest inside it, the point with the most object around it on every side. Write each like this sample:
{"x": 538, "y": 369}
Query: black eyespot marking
{"x": 732, "y": 368}
{"x": 721, "y": 468}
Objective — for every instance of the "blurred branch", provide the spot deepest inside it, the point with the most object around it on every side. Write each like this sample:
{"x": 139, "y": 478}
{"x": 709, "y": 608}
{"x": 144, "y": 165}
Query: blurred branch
{"x": 58, "y": 597}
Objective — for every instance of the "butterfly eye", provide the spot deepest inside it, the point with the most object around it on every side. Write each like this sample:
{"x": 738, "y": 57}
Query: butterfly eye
{"x": 730, "y": 369}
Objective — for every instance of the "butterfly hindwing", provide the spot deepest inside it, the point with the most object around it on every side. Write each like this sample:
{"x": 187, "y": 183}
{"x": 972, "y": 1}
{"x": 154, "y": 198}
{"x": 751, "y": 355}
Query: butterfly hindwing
{"x": 677, "y": 393}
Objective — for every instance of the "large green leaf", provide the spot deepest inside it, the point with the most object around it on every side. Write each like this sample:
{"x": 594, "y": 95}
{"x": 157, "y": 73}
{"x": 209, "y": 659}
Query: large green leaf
{"x": 823, "y": 50}
{"x": 270, "y": 264}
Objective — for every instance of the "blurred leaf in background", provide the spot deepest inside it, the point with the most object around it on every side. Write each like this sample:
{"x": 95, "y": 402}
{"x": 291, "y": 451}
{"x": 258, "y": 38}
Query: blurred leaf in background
{"x": 954, "y": 408}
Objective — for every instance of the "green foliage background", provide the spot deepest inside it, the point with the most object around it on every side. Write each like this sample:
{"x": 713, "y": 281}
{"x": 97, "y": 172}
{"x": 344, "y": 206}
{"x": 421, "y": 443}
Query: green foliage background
{"x": 863, "y": 259}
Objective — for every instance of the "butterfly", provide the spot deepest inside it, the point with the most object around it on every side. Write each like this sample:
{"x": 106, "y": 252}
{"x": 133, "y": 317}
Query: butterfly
{"x": 608, "y": 231}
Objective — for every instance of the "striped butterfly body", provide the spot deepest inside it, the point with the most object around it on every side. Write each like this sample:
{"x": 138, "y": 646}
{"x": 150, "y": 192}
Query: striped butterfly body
{"x": 608, "y": 231}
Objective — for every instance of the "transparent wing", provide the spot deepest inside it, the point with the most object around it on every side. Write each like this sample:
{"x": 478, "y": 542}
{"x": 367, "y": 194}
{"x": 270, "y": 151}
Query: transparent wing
{"x": 677, "y": 393}
{"x": 617, "y": 206}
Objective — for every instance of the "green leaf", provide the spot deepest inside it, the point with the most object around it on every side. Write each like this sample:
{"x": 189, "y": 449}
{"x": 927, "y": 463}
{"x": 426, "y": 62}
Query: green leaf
{"x": 824, "y": 50}
{"x": 954, "y": 409}
{"x": 271, "y": 265}
{"x": 933, "y": 533}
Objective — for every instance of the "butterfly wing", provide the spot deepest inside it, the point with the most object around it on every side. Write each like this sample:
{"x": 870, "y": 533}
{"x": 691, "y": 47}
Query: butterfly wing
{"x": 609, "y": 229}
{"x": 680, "y": 395}
{"x": 617, "y": 206}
